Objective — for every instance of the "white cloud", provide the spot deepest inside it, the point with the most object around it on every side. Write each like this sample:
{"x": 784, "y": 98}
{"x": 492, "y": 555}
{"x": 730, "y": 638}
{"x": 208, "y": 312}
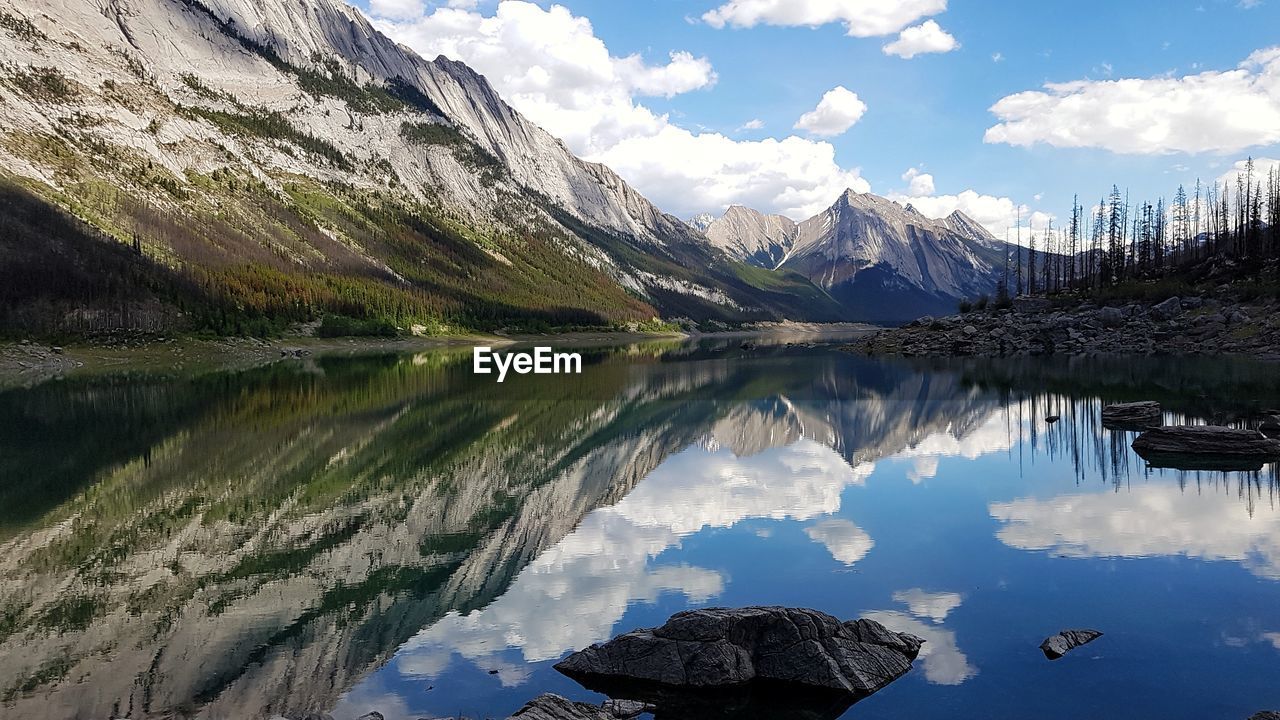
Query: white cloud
{"x": 550, "y": 66}
{"x": 397, "y": 9}
{"x": 861, "y": 18}
{"x": 1261, "y": 166}
{"x": 997, "y": 57}
{"x": 997, "y": 214}
{"x": 846, "y": 542}
{"x": 1149, "y": 521}
{"x": 683, "y": 74}
{"x": 838, "y": 111}
{"x": 687, "y": 173}
{"x": 1214, "y": 111}
{"x": 927, "y": 37}
{"x": 753, "y": 124}
{"x": 918, "y": 183}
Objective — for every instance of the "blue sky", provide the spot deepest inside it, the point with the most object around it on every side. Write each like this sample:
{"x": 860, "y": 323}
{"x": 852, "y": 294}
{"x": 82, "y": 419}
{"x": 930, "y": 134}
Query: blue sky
{"x": 601, "y": 74}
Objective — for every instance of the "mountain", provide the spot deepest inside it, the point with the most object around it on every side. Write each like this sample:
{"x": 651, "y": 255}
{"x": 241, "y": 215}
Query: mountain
{"x": 752, "y": 236}
{"x": 701, "y": 221}
{"x": 237, "y": 165}
{"x": 882, "y": 261}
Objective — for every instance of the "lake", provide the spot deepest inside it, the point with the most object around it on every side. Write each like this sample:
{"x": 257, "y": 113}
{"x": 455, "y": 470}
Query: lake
{"x": 392, "y": 533}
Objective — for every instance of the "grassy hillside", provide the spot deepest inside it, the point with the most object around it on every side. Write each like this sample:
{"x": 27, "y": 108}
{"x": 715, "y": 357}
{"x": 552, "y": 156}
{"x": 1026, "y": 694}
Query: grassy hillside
{"x": 235, "y": 257}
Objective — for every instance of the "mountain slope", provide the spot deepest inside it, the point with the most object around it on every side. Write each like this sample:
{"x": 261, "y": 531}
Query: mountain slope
{"x": 281, "y": 160}
{"x": 752, "y": 236}
{"x": 882, "y": 261}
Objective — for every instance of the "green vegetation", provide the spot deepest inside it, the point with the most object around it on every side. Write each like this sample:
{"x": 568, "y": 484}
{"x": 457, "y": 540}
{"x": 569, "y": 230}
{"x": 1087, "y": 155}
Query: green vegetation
{"x": 71, "y": 613}
{"x": 45, "y": 84}
{"x": 467, "y": 152}
{"x": 271, "y": 125}
{"x": 21, "y": 28}
{"x": 51, "y": 672}
{"x": 338, "y": 326}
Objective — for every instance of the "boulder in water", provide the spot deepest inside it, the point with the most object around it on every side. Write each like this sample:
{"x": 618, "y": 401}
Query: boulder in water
{"x": 1132, "y": 415}
{"x": 727, "y": 648}
{"x": 1206, "y": 441}
{"x": 1055, "y": 646}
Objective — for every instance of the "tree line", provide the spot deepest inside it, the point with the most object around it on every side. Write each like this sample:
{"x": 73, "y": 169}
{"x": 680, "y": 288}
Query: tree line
{"x": 1122, "y": 242}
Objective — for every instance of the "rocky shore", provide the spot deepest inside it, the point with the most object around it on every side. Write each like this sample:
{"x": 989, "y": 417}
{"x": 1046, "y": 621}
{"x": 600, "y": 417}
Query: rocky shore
{"x": 1037, "y": 326}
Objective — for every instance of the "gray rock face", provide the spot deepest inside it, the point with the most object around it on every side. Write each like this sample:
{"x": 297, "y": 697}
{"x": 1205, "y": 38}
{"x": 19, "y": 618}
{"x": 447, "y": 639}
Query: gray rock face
{"x": 864, "y": 238}
{"x": 752, "y": 236}
{"x": 1207, "y": 440}
{"x": 1135, "y": 414}
{"x": 1055, "y": 646}
{"x": 719, "y": 648}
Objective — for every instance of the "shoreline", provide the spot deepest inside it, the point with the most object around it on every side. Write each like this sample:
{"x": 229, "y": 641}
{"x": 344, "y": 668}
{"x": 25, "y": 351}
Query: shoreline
{"x": 30, "y": 362}
{"x": 1031, "y": 327}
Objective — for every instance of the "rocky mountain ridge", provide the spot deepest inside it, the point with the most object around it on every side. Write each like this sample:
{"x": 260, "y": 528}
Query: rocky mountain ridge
{"x": 880, "y": 259}
{"x": 259, "y": 155}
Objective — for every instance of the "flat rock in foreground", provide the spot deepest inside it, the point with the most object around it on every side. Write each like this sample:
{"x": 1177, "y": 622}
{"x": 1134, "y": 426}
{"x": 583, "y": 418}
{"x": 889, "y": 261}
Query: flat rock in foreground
{"x": 1206, "y": 440}
{"x": 725, "y": 648}
{"x": 1055, "y": 646}
{"x": 1135, "y": 414}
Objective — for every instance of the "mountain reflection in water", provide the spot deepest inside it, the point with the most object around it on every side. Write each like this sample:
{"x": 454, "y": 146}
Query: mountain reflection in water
{"x": 392, "y": 533}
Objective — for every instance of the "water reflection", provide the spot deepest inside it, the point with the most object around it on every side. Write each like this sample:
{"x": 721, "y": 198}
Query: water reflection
{"x": 1147, "y": 521}
{"x": 294, "y": 540}
{"x": 607, "y": 563}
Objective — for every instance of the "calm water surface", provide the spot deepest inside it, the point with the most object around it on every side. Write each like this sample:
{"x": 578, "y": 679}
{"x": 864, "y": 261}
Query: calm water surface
{"x": 394, "y": 534}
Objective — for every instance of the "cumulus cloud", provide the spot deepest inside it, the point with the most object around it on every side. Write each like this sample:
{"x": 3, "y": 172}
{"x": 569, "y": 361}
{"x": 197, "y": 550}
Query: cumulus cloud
{"x": 838, "y": 111}
{"x": 1215, "y": 111}
{"x": 687, "y": 173}
{"x": 753, "y": 124}
{"x": 927, "y": 37}
{"x": 396, "y": 9}
{"x": 846, "y": 542}
{"x": 999, "y": 215}
{"x": 861, "y": 18}
{"x": 1261, "y": 166}
{"x": 918, "y": 183}
{"x": 683, "y": 74}
{"x": 549, "y": 64}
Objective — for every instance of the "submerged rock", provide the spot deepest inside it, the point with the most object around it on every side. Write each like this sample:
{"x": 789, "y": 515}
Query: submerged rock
{"x": 1132, "y": 415}
{"x": 1206, "y": 440}
{"x": 727, "y": 648}
{"x": 553, "y": 707}
{"x": 1055, "y": 646}
{"x": 1265, "y": 715}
